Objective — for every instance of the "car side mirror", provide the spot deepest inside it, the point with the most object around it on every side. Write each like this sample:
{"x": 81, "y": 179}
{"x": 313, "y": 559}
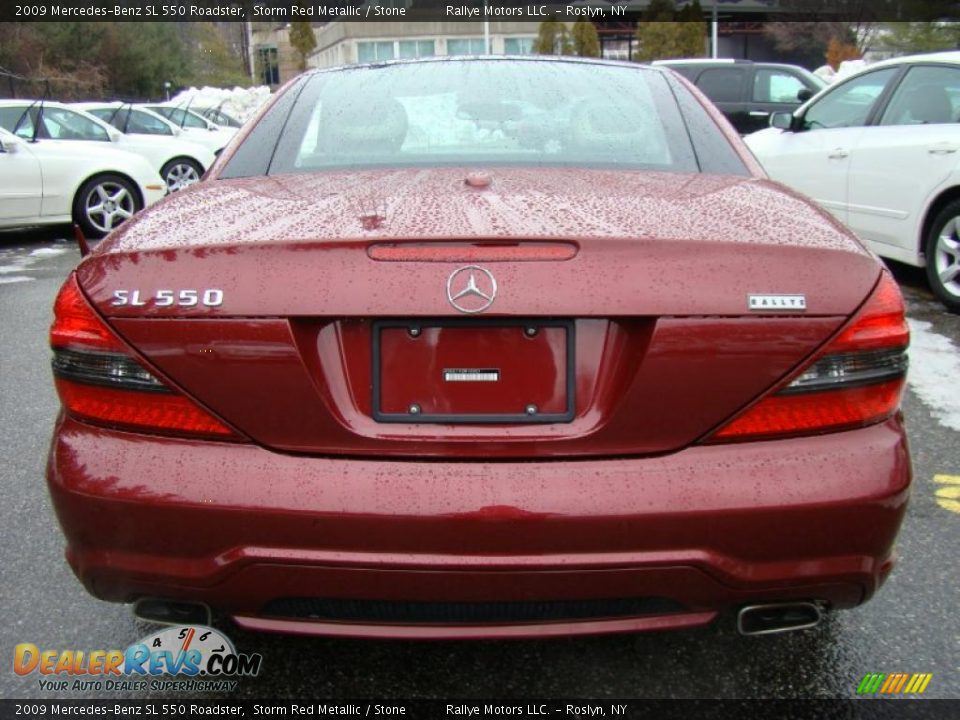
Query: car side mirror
{"x": 115, "y": 135}
{"x": 804, "y": 94}
{"x": 781, "y": 120}
{"x": 11, "y": 144}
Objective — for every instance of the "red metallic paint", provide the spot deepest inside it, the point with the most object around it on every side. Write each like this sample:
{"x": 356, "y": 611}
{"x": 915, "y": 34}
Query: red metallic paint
{"x": 651, "y": 244}
{"x": 643, "y": 386}
{"x": 711, "y": 527}
{"x": 321, "y": 500}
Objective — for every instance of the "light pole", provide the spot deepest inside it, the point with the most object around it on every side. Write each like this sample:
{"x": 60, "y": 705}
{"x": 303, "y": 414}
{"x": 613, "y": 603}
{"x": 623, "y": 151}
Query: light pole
{"x": 486, "y": 30}
{"x": 713, "y": 31}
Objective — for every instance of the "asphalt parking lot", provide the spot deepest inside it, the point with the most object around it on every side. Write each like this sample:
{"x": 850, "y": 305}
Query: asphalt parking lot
{"x": 910, "y": 626}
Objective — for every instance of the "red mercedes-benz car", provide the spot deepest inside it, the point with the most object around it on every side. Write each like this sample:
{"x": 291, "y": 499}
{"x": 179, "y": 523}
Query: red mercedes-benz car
{"x": 487, "y": 347}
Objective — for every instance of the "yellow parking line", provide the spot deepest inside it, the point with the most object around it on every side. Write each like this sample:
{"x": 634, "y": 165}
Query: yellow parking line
{"x": 948, "y": 495}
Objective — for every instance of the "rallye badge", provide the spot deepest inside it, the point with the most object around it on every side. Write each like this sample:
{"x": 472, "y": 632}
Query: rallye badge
{"x": 777, "y": 302}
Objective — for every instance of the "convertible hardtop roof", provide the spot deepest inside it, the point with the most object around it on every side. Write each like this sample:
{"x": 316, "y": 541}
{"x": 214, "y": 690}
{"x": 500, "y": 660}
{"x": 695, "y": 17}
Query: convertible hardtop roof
{"x": 553, "y": 59}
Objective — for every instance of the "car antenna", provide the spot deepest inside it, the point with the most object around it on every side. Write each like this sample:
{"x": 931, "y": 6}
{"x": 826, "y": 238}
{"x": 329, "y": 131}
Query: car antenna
{"x": 126, "y": 122}
{"x": 116, "y": 110}
{"x": 187, "y": 109}
{"x": 183, "y": 114}
{"x": 26, "y": 113}
{"x": 36, "y": 125}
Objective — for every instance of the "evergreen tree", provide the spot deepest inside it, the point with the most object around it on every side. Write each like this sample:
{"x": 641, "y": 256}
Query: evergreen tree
{"x": 586, "y": 42}
{"x": 693, "y": 30}
{"x": 553, "y": 38}
{"x": 664, "y": 33}
{"x": 303, "y": 41}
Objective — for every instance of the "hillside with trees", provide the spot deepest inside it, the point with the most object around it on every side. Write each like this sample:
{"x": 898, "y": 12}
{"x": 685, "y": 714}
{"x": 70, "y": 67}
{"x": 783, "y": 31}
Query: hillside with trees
{"x": 74, "y": 60}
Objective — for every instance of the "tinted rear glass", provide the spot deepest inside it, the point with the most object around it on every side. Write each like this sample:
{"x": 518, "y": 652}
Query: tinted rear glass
{"x": 480, "y": 112}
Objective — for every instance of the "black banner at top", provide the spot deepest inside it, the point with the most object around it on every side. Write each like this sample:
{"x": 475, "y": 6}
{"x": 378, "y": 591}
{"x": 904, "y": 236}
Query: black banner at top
{"x": 485, "y": 709}
{"x": 284, "y": 11}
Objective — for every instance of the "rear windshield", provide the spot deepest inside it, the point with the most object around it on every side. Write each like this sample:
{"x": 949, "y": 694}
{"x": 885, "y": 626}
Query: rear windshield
{"x": 474, "y": 112}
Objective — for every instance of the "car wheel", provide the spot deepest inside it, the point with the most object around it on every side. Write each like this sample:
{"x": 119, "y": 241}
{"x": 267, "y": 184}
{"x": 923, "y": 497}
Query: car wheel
{"x": 942, "y": 252}
{"x": 180, "y": 173}
{"x": 103, "y": 202}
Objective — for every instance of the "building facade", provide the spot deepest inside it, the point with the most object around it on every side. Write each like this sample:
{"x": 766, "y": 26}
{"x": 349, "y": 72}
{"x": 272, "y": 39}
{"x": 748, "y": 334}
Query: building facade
{"x": 347, "y": 43}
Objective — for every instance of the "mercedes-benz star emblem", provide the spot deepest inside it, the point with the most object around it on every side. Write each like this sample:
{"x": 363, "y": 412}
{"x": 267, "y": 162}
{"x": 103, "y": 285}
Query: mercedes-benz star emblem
{"x": 471, "y": 289}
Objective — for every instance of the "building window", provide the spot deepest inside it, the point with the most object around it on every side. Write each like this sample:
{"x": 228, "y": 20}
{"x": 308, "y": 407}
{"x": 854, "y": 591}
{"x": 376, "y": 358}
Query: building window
{"x": 518, "y": 46}
{"x": 466, "y": 46}
{"x": 268, "y": 65}
{"x": 616, "y": 50}
{"x": 375, "y": 51}
{"x": 415, "y": 48}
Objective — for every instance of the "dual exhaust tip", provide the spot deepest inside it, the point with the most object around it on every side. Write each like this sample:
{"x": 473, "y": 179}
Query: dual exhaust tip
{"x": 765, "y": 619}
{"x": 771, "y": 618}
{"x": 172, "y": 612}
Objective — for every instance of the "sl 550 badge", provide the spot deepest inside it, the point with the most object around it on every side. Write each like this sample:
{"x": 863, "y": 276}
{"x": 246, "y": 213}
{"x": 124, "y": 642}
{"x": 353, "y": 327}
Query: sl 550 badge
{"x": 210, "y": 297}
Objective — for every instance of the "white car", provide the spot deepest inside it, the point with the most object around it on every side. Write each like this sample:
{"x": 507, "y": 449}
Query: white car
{"x": 53, "y": 182}
{"x": 194, "y": 125}
{"x": 881, "y": 151}
{"x": 217, "y": 115}
{"x": 181, "y": 161}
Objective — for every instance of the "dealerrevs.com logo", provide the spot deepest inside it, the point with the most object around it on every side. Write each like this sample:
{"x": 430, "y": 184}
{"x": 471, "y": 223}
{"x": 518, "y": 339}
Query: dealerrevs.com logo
{"x": 188, "y": 658}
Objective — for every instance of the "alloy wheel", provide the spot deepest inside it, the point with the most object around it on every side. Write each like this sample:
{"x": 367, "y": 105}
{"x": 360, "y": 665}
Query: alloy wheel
{"x": 108, "y": 205}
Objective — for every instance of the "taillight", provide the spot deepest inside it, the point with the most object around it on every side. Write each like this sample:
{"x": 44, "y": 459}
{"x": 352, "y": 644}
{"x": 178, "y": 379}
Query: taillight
{"x": 100, "y": 381}
{"x": 856, "y": 380}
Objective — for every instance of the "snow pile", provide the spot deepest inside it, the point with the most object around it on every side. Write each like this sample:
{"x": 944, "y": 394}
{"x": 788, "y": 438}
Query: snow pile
{"x": 934, "y": 357}
{"x": 826, "y": 73}
{"x": 239, "y": 102}
{"x": 848, "y": 67}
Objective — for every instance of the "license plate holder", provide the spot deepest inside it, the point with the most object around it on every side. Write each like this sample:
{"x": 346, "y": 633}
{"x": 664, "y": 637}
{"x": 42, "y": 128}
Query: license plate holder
{"x": 473, "y": 370}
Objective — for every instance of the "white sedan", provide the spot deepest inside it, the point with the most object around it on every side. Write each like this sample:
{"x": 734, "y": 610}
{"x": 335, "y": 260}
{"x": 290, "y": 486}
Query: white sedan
{"x": 195, "y": 126}
{"x": 881, "y": 151}
{"x": 49, "y": 183}
{"x": 180, "y": 162}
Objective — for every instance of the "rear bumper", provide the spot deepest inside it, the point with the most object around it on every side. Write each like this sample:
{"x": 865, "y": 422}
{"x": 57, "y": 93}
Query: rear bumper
{"x": 709, "y": 528}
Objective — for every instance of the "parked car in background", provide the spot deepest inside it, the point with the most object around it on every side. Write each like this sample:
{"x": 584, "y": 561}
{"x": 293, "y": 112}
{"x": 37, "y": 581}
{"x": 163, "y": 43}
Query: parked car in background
{"x": 748, "y": 92}
{"x": 881, "y": 151}
{"x": 198, "y": 128}
{"x": 406, "y": 375}
{"x": 181, "y": 161}
{"x": 218, "y": 115}
{"x": 49, "y": 182}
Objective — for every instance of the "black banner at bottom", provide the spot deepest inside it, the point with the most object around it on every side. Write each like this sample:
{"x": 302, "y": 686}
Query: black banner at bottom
{"x": 901, "y": 709}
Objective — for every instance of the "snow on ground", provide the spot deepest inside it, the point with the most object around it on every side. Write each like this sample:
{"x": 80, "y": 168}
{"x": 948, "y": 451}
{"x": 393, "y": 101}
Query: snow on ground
{"x": 48, "y": 252}
{"x": 934, "y": 369}
{"x": 239, "y": 102}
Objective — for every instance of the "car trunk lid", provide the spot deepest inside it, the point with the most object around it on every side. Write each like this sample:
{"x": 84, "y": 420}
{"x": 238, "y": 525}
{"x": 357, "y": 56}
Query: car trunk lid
{"x": 620, "y": 323}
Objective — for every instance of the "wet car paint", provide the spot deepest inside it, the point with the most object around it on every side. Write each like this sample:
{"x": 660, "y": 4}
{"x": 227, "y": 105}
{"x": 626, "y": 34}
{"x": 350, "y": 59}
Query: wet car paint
{"x": 290, "y": 255}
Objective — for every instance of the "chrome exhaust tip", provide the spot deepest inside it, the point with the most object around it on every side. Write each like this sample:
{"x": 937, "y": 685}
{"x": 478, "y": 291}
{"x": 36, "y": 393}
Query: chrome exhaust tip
{"x": 172, "y": 612}
{"x": 771, "y": 618}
